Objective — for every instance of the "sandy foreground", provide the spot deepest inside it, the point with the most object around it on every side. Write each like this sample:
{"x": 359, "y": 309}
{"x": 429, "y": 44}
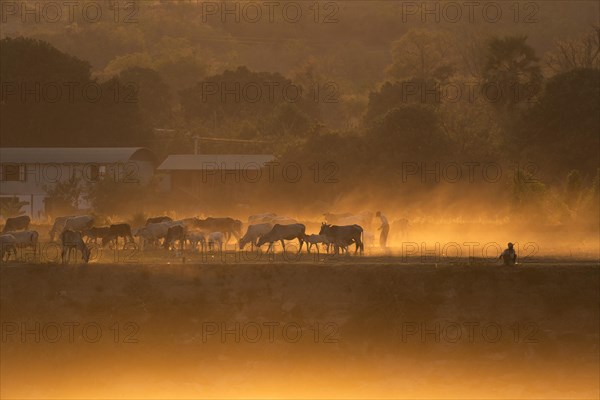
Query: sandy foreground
{"x": 348, "y": 329}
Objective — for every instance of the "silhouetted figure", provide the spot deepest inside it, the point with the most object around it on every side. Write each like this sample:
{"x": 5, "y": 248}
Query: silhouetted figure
{"x": 384, "y": 228}
{"x": 509, "y": 256}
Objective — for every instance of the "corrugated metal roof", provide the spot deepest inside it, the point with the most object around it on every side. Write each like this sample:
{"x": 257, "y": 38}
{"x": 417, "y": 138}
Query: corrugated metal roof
{"x": 43, "y": 155}
{"x": 198, "y": 162}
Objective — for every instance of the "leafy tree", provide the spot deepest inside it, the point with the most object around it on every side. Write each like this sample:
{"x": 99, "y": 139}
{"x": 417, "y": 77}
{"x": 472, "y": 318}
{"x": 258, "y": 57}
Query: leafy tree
{"x": 63, "y": 197}
{"x": 512, "y": 74}
{"x": 110, "y": 197}
{"x": 411, "y": 133}
{"x": 589, "y": 208}
{"x": 583, "y": 52}
{"x": 33, "y": 73}
{"x": 423, "y": 55}
{"x": 152, "y": 94}
{"x": 270, "y": 102}
{"x": 50, "y": 99}
{"x": 398, "y": 94}
{"x": 472, "y": 126}
{"x": 561, "y": 131}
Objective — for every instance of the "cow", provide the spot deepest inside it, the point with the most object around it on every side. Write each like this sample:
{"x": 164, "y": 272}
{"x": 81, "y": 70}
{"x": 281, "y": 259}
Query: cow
{"x": 253, "y": 233}
{"x": 316, "y": 240}
{"x": 116, "y": 231}
{"x": 96, "y": 232}
{"x": 17, "y": 224}
{"x": 228, "y": 226}
{"x": 73, "y": 240}
{"x": 216, "y": 238}
{"x": 58, "y": 226}
{"x": 158, "y": 220}
{"x": 281, "y": 233}
{"x": 188, "y": 223}
{"x": 197, "y": 238}
{"x": 153, "y": 232}
{"x": 77, "y": 223}
{"x": 8, "y": 243}
{"x": 343, "y": 236}
{"x": 270, "y": 218}
{"x": 261, "y": 218}
{"x": 174, "y": 233}
{"x": 26, "y": 239}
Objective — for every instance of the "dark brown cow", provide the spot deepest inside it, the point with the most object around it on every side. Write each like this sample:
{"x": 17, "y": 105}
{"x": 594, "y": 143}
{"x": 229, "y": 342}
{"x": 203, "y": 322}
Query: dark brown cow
{"x": 17, "y": 224}
{"x": 115, "y": 232}
{"x": 345, "y": 235}
{"x": 158, "y": 220}
{"x": 228, "y": 226}
{"x": 95, "y": 233}
{"x": 176, "y": 232}
{"x": 281, "y": 233}
{"x": 73, "y": 240}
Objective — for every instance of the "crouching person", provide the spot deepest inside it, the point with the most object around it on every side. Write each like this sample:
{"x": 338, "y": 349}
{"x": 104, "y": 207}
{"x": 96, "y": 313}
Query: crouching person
{"x": 509, "y": 256}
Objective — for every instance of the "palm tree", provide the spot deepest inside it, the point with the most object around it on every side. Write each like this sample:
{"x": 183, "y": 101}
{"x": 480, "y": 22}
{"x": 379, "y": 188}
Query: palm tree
{"x": 11, "y": 207}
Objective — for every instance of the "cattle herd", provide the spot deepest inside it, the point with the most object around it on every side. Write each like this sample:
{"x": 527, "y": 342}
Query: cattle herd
{"x": 78, "y": 232}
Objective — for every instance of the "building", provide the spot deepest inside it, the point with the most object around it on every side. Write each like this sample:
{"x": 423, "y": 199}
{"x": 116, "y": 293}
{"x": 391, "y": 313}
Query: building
{"x": 212, "y": 179}
{"x": 27, "y": 173}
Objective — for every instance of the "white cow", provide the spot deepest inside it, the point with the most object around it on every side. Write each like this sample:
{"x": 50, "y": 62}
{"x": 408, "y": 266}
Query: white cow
{"x": 217, "y": 238}
{"x": 77, "y": 223}
{"x": 197, "y": 238}
{"x": 270, "y": 218}
{"x": 59, "y": 226}
{"x": 253, "y": 233}
{"x": 25, "y": 239}
{"x": 259, "y": 218}
{"x": 153, "y": 232}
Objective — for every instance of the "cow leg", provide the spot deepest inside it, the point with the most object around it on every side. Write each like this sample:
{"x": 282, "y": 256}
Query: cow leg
{"x": 301, "y": 243}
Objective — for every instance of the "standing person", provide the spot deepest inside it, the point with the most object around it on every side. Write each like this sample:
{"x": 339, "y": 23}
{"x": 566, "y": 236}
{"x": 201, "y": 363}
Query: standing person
{"x": 384, "y": 228}
{"x": 509, "y": 256}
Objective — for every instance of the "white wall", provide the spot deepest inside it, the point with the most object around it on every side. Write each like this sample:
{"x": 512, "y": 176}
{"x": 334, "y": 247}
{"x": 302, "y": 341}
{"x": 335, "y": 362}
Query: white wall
{"x": 41, "y": 176}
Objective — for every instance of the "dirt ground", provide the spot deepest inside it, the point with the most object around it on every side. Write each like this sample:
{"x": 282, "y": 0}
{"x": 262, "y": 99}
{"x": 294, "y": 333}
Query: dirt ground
{"x": 350, "y": 327}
